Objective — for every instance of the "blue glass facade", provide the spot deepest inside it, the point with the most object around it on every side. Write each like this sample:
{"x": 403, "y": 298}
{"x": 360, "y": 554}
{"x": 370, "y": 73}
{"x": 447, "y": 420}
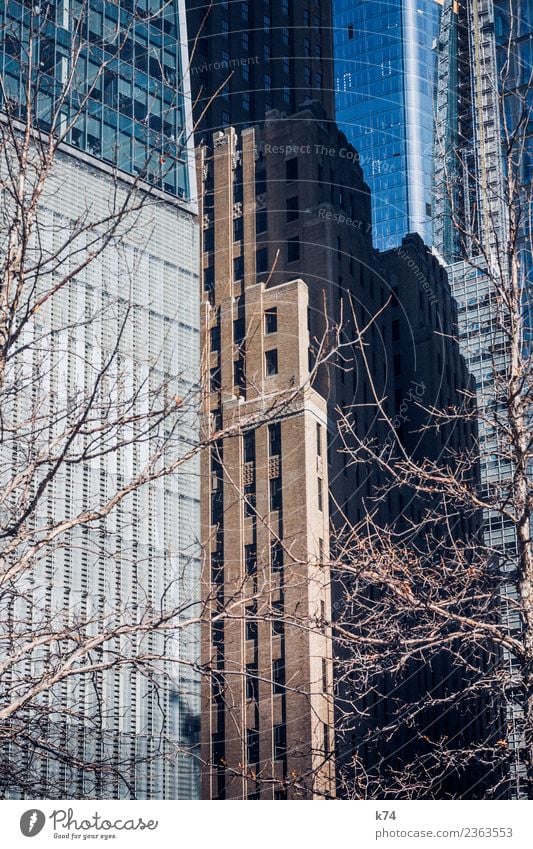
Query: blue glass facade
{"x": 384, "y": 78}
{"x": 113, "y": 70}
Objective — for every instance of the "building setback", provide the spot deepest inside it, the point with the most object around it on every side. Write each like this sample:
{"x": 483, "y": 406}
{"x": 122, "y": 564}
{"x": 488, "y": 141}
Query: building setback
{"x": 287, "y": 256}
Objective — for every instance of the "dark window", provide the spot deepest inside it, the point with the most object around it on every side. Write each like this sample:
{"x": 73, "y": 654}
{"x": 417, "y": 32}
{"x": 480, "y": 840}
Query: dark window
{"x": 293, "y": 249}
{"x": 307, "y": 46}
{"x": 280, "y": 742}
{"x": 248, "y": 446}
{"x": 320, "y": 496}
{"x": 271, "y": 362}
{"x": 260, "y": 181}
{"x": 291, "y": 167}
{"x": 318, "y": 439}
{"x": 249, "y": 499}
{"x": 238, "y": 267}
{"x": 395, "y": 330}
{"x": 278, "y": 676}
{"x": 215, "y": 379}
{"x": 350, "y": 31}
{"x": 252, "y": 745}
{"x": 277, "y": 621}
{"x": 209, "y": 239}
{"x": 262, "y": 260}
{"x": 326, "y": 740}
{"x": 275, "y": 493}
{"x": 292, "y": 208}
{"x": 216, "y": 507}
{"x": 251, "y": 630}
{"x": 239, "y": 377}
{"x": 250, "y": 558}
{"x": 397, "y": 364}
{"x": 271, "y": 320}
{"x": 251, "y": 682}
{"x": 324, "y": 675}
{"x": 237, "y": 230}
{"x": 238, "y": 331}
{"x": 261, "y": 221}
{"x": 274, "y": 439}
{"x": 214, "y": 334}
{"x": 276, "y": 556}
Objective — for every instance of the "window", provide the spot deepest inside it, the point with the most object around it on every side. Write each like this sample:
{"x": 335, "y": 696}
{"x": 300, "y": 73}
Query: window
{"x": 252, "y": 745}
{"x": 266, "y": 23}
{"x": 307, "y": 18}
{"x": 267, "y": 82}
{"x": 276, "y": 556}
{"x": 275, "y": 493}
{"x": 395, "y": 330}
{"x": 217, "y": 508}
{"x": 250, "y": 558}
{"x": 237, "y": 233}
{"x": 350, "y": 31}
{"x": 307, "y": 75}
{"x": 246, "y": 101}
{"x": 291, "y": 169}
{"x": 238, "y": 331}
{"x": 215, "y": 379}
{"x": 249, "y": 500}
{"x": 307, "y": 46}
{"x": 239, "y": 378}
{"x": 267, "y": 52}
{"x": 397, "y": 365}
{"x": 214, "y": 334}
{"x": 277, "y": 621}
{"x": 238, "y": 266}
{"x": 244, "y": 11}
{"x": 274, "y": 439}
{"x": 320, "y": 495}
{"x": 248, "y": 446}
{"x": 286, "y": 65}
{"x": 245, "y": 68}
{"x": 324, "y": 675}
{"x": 271, "y": 320}
{"x": 271, "y": 362}
{"x": 251, "y": 630}
{"x": 261, "y": 221}
{"x": 278, "y": 676}
{"x": 280, "y": 742}
{"x": 326, "y": 740}
{"x": 318, "y": 439}
{"x": 224, "y": 28}
{"x": 285, "y": 37}
{"x": 251, "y": 681}
{"x": 245, "y": 43}
{"x": 293, "y": 249}
{"x": 261, "y": 260}
{"x": 292, "y": 208}
{"x": 225, "y": 119}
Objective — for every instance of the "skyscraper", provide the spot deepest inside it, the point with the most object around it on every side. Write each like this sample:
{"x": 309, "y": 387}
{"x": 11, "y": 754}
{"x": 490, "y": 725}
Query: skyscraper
{"x": 385, "y": 73}
{"x": 248, "y": 58}
{"x": 115, "y": 243}
{"x": 484, "y": 50}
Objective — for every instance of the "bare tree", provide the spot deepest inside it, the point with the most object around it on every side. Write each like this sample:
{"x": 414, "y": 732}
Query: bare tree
{"x": 434, "y": 609}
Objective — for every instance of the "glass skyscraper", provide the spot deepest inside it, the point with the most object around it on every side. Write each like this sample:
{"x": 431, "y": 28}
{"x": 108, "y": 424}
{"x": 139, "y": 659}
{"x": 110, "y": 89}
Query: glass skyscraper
{"x": 128, "y": 84}
{"x": 110, "y": 76}
{"x": 385, "y": 66}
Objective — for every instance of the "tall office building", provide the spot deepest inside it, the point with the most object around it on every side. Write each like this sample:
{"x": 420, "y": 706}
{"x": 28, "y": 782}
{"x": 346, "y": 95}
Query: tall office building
{"x": 483, "y": 42}
{"x": 248, "y": 58}
{"x": 121, "y": 334}
{"x": 385, "y": 73}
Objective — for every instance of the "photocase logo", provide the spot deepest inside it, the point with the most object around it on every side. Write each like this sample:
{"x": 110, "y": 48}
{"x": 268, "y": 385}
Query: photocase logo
{"x": 32, "y": 822}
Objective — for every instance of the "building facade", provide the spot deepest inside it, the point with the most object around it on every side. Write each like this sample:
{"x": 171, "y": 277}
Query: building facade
{"x": 248, "y": 58}
{"x": 481, "y": 42}
{"x": 125, "y": 327}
